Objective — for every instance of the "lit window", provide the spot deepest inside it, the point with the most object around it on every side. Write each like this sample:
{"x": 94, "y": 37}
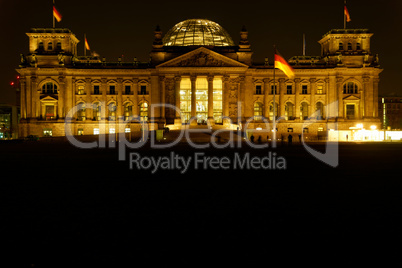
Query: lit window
{"x": 80, "y": 90}
{"x": 96, "y": 131}
{"x": 127, "y": 130}
{"x": 258, "y": 111}
{"x": 320, "y": 89}
{"x": 112, "y": 130}
{"x": 144, "y": 111}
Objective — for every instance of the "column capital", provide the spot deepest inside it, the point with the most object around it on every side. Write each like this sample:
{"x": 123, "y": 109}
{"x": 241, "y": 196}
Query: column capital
{"x": 104, "y": 80}
{"x": 313, "y": 80}
{"x": 297, "y": 80}
{"x": 266, "y": 80}
{"x": 193, "y": 78}
{"x": 119, "y": 80}
{"x": 281, "y": 80}
{"x": 210, "y": 78}
{"x": 162, "y": 78}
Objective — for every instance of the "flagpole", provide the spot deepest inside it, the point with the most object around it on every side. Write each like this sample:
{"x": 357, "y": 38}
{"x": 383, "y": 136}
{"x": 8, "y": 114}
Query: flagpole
{"x": 344, "y": 15}
{"x": 273, "y": 105}
{"x": 54, "y": 23}
{"x": 85, "y": 47}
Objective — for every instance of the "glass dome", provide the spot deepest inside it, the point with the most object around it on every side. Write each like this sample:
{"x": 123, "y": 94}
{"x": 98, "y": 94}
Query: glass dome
{"x": 197, "y": 32}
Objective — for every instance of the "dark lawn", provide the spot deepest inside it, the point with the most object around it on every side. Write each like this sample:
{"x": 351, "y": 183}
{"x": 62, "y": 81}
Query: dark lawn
{"x": 68, "y": 204}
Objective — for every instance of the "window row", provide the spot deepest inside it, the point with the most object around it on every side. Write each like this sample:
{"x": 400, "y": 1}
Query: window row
{"x": 290, "y": 111}
{"x": 111, "y": 90}
{"x": 95, "y": 112}
{"x": 50, "y": 46}
{"x": 350, "y": 46}
{"x": 289, "y": 90}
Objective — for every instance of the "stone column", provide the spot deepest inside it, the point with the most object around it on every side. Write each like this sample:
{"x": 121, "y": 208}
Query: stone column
{"x": 119, "y": 104}
{"x": 177, "y": 80}
{"x": 241, "y": 99}
{"x": 23, "y": 98}
{"x": 193, "y": 98}
{"x": 339, "y": 90}
{"x": 297, "y": 99}
{"x": 327, "y": 101}
{"x": 62, "y": 92}
{"x": 363, "y": 110}
{"x": 29, "y": 97}
{"x": 35, "y": 98}
{"x": 211, "y": 99}
{"x": 104, "y": 107}
{"x": 375, "y": 97}
{"x": 313, "y": 89}
{"x": 266, "y": 98}
{"x": 135, "y": 97}
{"x": 225, "y": 97}
{"x": 88, "y": 92}
{"x": 162, "y": 88}
{"x": 281, "y": 112}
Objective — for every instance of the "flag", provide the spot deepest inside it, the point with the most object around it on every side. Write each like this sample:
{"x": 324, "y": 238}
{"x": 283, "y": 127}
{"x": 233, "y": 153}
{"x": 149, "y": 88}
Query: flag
{"x": 56, "y": 14}
{"x": 283, "y": 65}
{"x": 86, "y": 44}
{"x": 347, "y": 14}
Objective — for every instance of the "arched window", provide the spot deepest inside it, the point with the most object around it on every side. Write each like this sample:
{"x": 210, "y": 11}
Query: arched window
{"x": 144, "y": 111}
{"x": 258, "y": 111}
{"x": 58, "y": 46}
{"x": 96, "y": 111}
{"x": 289, "y": 111}
{"x": 112, "y": 111}
{"x": 304, "y": 111}
{"x": 349, "y": 46}
{"x": 40, "y": 46}
{"x": 81, "y": 113}
{"x": 49, "y": 88}
{"x": 350, "y": 88}
{"x": 50, "y": 46}
{"x": 319, "y": 109}
{"x": 340, "y": 46}
{"x": 128, "y": 111}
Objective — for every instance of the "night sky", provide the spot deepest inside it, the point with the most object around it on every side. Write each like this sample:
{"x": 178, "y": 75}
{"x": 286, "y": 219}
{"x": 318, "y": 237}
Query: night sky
{"x": 126, "y": 27}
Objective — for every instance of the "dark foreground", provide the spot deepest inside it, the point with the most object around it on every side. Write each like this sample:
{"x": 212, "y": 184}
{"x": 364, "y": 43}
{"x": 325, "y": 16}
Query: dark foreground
{"x": 63, "y": 206}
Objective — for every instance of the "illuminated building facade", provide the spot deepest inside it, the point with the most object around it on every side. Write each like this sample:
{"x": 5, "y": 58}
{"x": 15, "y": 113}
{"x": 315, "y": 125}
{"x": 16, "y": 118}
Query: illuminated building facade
{"x": 197, "y": 68}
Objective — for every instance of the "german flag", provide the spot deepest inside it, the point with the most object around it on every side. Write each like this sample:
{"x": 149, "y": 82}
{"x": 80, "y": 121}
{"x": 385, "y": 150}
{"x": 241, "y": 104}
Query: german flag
{"x": 56, "y": 14}
{"x": 283, "y": 65}
{"x": 86, "y": 44}
{"x": 348, "y": 19}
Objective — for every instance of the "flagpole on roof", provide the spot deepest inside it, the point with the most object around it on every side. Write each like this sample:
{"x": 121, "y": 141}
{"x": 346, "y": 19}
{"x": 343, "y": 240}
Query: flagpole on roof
{"x": 85, "y": 47}
{"x": 344, "y": 15}
{"x": 54, "y": 23}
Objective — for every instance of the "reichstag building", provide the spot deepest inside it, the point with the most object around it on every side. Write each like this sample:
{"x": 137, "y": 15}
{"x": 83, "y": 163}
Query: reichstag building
{"x": 198, "y": 69}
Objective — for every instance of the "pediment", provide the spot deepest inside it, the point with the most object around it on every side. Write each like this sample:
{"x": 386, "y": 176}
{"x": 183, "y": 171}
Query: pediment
{"x": 49, "y": 98}
{"x": 351, "y": 98}
{"x": 202, "y": 57}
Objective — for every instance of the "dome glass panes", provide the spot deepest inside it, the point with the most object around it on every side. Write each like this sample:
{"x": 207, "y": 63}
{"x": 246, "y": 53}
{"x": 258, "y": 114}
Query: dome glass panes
{"x": 197, "y": 32}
